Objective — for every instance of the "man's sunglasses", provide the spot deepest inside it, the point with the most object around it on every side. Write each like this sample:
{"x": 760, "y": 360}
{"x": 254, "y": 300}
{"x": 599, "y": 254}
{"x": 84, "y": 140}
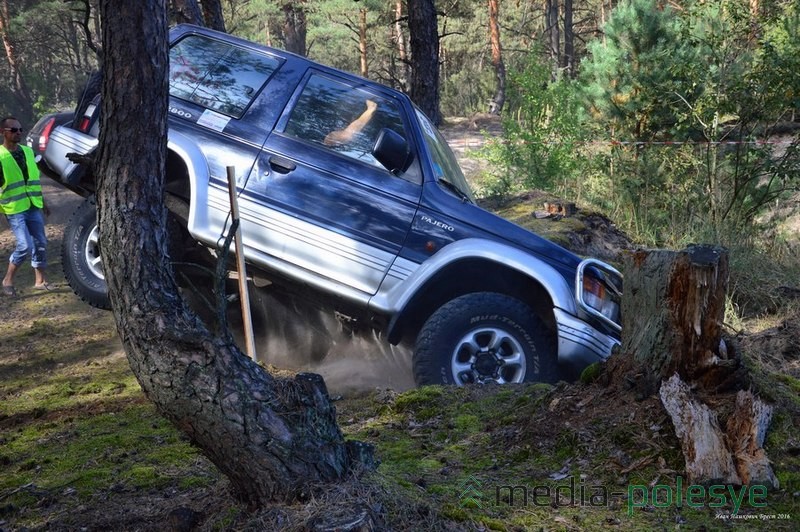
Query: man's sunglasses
{"x": 14, "y": 129}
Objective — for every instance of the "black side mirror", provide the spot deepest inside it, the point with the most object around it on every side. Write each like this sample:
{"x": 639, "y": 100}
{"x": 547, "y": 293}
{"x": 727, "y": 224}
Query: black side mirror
{"x": 392, "y": 151}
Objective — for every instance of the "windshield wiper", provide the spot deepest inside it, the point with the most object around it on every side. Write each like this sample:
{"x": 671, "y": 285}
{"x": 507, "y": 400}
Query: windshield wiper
{"x": 453, "y": 188}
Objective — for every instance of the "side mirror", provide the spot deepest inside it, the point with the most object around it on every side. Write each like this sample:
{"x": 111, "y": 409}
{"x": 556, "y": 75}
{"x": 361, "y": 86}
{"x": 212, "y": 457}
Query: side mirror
{"x": 392, "y": 151}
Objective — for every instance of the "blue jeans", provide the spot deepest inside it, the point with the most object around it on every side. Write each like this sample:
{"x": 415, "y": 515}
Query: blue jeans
{"x": 28, "y": 229}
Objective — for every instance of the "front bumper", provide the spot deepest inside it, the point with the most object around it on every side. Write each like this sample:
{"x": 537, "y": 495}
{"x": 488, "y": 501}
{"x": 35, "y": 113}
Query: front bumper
{"x": 580, "y": 344}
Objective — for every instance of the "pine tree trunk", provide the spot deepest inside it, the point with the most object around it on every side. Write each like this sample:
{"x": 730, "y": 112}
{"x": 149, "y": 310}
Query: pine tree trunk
{"x": 187, "y": 12}
{"x": 362, "y": 41}
{"x": 272, "y": 438}
{"x": 553, "y": 35}
{"x": 403, "y": 75}
{"x": 424, "y": 37}
{"x": 18, "y": 86}
{"x": 497, "y": 59}
{"x": 212, "y": 14}
{"x": 294, "y": 27}
{"x": 568, "y": 59}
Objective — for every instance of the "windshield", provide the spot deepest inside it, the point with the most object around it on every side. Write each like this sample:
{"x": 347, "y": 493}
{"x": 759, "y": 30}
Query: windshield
{"x": 444, "y": 162}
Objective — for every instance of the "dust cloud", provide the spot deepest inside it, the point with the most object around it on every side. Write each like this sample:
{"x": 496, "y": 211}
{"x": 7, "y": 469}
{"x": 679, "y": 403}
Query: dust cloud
{"x": 352, "y": 365}
{"x": 295, "y": 335}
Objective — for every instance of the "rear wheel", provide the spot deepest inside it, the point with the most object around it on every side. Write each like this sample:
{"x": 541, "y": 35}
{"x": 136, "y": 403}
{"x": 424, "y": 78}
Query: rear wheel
{"x": 80, "y": 256}
{"x": 83, "y": 267}
{"x": 481, "y": 338}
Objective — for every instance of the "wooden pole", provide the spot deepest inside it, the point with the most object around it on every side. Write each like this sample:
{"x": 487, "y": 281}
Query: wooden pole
{"x": 244, "y": 295}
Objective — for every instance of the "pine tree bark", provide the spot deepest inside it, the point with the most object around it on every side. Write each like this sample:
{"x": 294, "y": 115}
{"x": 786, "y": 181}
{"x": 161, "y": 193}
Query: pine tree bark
{"x": 424, "y": 42}
{"x": 294, "y": 27}
{"x": 362, "y": 41}
{"x": 187, "y": 12}
{"x": 273, "y": 438}
{"x": 212, "y": 14}
{"x": 568, "y": 59}
{"x": 404, "y": 74}
{"x": 552, "y": 32}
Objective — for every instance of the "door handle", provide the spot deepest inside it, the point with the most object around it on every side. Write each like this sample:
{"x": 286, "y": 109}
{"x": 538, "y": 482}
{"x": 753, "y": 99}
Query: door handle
{"x": 281, "y": 165}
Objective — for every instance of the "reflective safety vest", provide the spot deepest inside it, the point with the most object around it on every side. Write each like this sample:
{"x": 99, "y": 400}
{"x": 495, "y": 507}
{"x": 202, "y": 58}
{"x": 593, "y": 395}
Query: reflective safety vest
{"x": 17, "y": 195}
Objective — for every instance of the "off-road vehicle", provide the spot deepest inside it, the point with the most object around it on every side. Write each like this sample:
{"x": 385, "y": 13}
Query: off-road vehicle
{"x": 349, "y": 197}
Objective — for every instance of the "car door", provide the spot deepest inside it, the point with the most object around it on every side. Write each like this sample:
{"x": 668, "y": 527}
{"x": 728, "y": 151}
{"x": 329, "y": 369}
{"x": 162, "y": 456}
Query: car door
{"x": 317, "y": 199}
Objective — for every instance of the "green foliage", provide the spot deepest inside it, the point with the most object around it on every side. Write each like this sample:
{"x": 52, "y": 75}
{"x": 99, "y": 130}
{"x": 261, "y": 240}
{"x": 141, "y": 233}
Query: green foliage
{"x": 630, "y": 79}
{"x": 51, "y": 53}
{"x": 689, "y": 97}
{"x": 543, "y": 135}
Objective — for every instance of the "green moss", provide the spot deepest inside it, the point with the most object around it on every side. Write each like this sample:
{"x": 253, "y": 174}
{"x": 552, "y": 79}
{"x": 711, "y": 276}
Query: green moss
{"x": 591, "y": 373}
{"x": 427, "y": 413}
{"x": 468, "y": 422}
{"x": 567, "y": 445}
{"x": 142, "y": 476}
{"x": 93, "y": 451}
{"x": 412, "y": 399}
{"x": 493, "y": 524}
{"x": 191, "y": 482}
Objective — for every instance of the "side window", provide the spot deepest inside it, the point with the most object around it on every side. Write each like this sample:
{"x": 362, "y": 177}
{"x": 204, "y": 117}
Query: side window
{"x": 342, "y": 118}
{"x": 217, "y": 75}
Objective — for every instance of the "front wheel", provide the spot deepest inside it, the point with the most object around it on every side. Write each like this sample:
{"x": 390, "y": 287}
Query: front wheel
{"x": 80, "y": 256}
{"x": 481, "y": 338}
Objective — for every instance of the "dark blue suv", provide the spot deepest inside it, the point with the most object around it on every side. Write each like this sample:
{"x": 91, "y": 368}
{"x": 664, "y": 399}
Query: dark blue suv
{"x": 350, "y": 197}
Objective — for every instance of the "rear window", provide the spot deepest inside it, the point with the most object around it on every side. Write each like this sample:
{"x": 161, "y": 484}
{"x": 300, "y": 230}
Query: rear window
{"x": 217, "y": 75}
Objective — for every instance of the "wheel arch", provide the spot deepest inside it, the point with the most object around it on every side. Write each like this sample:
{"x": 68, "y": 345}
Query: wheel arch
{"x": 187, "y": 177}
{"x": 464, "y": 276}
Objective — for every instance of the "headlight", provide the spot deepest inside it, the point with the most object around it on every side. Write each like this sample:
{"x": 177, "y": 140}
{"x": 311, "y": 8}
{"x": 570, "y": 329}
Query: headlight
{"x": 599, "y": 291}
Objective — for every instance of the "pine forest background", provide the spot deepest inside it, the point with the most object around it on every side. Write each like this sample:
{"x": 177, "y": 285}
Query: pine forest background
{"x": 677, "y": 119}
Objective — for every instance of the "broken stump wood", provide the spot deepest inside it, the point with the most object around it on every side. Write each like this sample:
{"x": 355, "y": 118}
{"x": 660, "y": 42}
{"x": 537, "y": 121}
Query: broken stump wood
{"x": 735, "y": 456}
{"x": 673, "y": 311}
{"x": 702, "y": 439}
{"x": 745, "y": 433}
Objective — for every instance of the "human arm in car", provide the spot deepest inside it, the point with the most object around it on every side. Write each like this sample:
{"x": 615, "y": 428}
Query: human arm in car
{"x": 341, "y": 136}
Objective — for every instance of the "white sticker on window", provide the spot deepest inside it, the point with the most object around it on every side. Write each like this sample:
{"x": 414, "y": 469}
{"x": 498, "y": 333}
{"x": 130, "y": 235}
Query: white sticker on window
{"x": 213, "y": 120}
{"x": 426, "y": 126}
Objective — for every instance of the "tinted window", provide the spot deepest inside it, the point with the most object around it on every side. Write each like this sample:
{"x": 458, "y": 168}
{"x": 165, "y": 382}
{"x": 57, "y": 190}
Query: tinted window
{"x": 445, "y": 164}
{"x": 217, "y": 75}
{"x": 342, "y": 118}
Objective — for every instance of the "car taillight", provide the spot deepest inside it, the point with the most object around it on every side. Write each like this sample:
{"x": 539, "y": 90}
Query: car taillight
{"x": 86, "y": 120}
{"x": 44, "y": 136}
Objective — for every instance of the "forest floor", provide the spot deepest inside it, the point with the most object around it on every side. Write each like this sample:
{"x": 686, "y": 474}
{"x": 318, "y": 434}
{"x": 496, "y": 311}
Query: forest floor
{"x": 81, "y": 448}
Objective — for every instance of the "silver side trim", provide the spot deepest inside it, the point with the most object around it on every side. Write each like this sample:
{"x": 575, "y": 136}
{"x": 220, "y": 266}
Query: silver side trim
{"x": 400, "y": 270}
{"x": 273, "y": 240}
{"x": 395, "y": 293}
{"x": 322, "y": 251}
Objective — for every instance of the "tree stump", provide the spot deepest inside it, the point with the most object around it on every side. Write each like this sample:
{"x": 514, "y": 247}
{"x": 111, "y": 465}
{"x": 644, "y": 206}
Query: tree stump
{"x": 673, "y": 311}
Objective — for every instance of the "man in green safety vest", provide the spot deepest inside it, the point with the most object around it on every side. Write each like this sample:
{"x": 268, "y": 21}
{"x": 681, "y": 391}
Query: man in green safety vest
{"x": 22, "y": 203}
